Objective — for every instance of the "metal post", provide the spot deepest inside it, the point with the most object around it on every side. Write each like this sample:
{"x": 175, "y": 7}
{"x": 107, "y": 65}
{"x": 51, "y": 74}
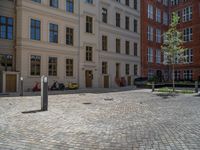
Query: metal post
{"x": 196, "y": 87}
{"x": 153, "y": 86}
{"x": 44, "y": 93}
{"x": 21, "y": 86}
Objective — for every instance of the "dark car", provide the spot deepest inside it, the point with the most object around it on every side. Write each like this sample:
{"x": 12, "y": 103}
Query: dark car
{"x": 140, "y": 81}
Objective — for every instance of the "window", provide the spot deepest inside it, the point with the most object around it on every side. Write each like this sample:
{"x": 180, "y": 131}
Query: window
{"x": 35, "y": 65}
{"x": 150, "y": 55}
{"x": 177, "y": 75}
{"x": 88, "y": 53}
{"x": 135, "y": 69}
{"x": 117, "y": 19}
{"x": 53, "y": 33}
{"x": 135, "y": 3}
{"x": 104, "y": 68}
{"x": 187, "y": 34}
{"x": 135, "y": 25}
{"x": 127, "y": 47}
{"x": 150, "y": 74}
{"x": 69, "y": 36}
{"x": 89, "y": 1}
{"x": 175, "y": 2}
{"x": 54, "y": 3}
{"x": 70, "y": 6}
{"x": 6, "y": 28}
{"x": 165, "y": 2}
{"x": 118, "y": 46}
{"x": 188, "y": 74}
{"x": 89, "y": 24}
{"x": 158, "y": 56}
{"x": 158, "y": 15}
{"x": 150, "y": 11}
{"x": 69, "y": 67}
{"x": 104, "y": 43}
{"x": 135, "y": 49}
{"x": 38, "y": 1}
{"x": 52, "y": 66}
{"x": 127, "y": 2}
{"x": 127, "y": 22}
{"x": 188, "y": 55}
{"x": 150, "y": 33}
{"x": 165, "y": 18}
{"x": 187, "y": 14}
{"x": 6, "y": 61}
{"x": 158, "y": 35}
{"x": 127, "y": 69}
{"x": 118, "y": 1}
{"x": 35, "y": 29}
{"x": 104, "y": 15}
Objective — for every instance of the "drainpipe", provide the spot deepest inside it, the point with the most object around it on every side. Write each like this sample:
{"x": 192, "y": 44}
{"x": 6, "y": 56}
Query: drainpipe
{"x": 79, "y": 41}
{"x": 15, "y": 37}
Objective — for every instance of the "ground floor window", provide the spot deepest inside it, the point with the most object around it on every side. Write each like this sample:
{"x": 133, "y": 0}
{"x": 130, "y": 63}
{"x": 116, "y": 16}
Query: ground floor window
{"x": 177, "y": 75}
{"x": 52, "y": 66}
{"x": 104, "y": 67}
{"x": 188, "y": 74}
{"x": 135, "y": 69}
{"x": 6, "y": 62}
{"x": 35, "y": 65}
{"x": 150, "y": 74}
{"x": 69, "y": 67}
{"x": 127, "y": 69}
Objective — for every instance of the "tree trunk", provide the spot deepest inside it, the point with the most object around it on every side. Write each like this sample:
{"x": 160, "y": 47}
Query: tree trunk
{"x": 173, "y": 78}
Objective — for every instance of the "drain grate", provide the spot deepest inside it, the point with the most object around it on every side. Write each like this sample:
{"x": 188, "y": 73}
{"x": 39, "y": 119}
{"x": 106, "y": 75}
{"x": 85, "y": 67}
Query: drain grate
{"x": 87, "y": 103}
{"x": 108, "y": 99}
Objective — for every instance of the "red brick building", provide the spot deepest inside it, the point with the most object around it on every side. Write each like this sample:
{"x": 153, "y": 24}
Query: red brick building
{"x": 155, "y": 20}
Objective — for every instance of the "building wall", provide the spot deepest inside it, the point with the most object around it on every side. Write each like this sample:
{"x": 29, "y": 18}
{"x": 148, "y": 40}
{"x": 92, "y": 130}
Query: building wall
{"x": 194, "y": 44}
{"x": 195, "y": 66}
{"x": 26, "y": 10}
{"x": 7, "y": 47}
{"x": 112, "y": 32}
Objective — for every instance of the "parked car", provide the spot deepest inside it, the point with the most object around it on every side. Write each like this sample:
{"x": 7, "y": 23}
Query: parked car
{"x": 141, "y": 81}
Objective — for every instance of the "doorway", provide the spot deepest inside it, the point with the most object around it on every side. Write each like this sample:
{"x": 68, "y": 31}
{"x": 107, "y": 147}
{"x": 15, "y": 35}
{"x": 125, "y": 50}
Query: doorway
{"x": 88, "y": 78}
{"x": 106, "y": 81}
{"x": 11, "y": 80}
{"x": 129, "y": 80}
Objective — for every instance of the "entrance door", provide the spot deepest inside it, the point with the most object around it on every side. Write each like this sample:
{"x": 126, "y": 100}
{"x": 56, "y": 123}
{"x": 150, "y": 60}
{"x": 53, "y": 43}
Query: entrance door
{"x": 11, "y": 83}
{"x": 88, "y": 78}
{"x": 129, "y": 80}
{"x": 106, "y": 81}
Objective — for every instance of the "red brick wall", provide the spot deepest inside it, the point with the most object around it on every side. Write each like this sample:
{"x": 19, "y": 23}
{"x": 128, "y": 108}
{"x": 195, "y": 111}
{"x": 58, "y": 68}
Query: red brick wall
{"x": 194, "y": 44}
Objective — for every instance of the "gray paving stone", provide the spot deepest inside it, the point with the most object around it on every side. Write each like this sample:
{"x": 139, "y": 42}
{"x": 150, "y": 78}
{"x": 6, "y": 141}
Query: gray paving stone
{"x": 133, "y": 120}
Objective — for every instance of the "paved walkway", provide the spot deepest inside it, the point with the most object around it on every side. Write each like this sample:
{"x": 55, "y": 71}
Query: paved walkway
{"x": 112, "y": 121}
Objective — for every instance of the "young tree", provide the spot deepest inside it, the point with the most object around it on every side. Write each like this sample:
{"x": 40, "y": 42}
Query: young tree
{"x": 173, "y": 45}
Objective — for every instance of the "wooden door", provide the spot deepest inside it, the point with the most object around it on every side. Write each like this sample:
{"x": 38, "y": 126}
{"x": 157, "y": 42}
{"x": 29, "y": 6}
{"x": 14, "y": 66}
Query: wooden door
{"x": 106, "y": 81}
{"x": 11, "y": 83}
{"x": 129, "y": 80}
{"x": 88, "y": 78}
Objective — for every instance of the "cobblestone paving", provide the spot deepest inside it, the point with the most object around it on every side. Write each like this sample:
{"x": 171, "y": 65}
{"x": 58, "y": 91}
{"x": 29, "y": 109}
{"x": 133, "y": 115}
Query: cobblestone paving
{"x": 126, "y": 120}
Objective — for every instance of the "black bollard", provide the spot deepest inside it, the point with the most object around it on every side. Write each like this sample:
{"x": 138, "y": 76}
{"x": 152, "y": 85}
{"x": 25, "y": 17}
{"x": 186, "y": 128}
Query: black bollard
{"x": 196, "y": 87}
{"x": 21, "y": 86}
{"x": 44, "y": 93}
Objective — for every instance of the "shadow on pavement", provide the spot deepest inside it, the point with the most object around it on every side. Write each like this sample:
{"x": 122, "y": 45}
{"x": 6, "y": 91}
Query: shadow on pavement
{"x": 32, "y": 111}
{"x": 166, "y": 95}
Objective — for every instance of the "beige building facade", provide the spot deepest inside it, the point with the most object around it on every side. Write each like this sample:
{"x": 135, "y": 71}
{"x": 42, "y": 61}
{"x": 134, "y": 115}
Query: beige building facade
{"x": 95, "y": 43}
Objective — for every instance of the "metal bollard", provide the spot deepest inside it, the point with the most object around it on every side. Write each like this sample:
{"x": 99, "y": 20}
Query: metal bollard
{"x": 21, "y": 86}
{"x": 196, "y": 87}
{"x": 153, "y": 86}
{"x": 44, "y": 93}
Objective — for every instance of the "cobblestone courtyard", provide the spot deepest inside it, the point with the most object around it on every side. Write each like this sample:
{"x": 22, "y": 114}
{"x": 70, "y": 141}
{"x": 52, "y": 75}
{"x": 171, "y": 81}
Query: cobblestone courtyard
{"x": 113, "y": 121}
